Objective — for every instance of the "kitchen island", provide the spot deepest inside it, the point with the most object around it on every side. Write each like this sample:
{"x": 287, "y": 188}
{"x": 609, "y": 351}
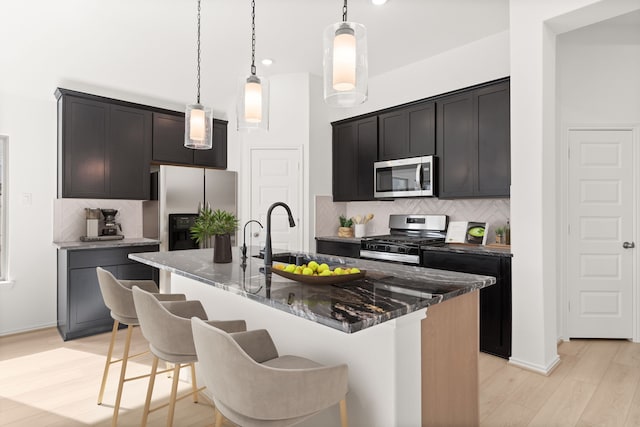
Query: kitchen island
{"x": 408, "y": 334}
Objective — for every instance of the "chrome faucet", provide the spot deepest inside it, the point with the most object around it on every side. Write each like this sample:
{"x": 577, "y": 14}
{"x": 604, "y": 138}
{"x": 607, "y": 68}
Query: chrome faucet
{"x": 267, "y": 246}
{"x": 244, "y": 237}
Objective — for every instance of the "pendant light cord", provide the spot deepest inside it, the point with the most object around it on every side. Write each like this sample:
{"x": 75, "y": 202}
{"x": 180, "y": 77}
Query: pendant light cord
{"x": 253, "y": 37}
{"x": 198, "y": 101}
{"x": 344, "y": 11}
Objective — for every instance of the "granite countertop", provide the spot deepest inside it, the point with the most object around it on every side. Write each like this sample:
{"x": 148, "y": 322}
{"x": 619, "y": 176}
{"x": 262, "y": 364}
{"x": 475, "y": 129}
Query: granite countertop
{"x": 449, "y": 247}
{"x": 386, "y": 292}
{"x": 99, "y": 244}
{"x": 341, "y": 239}
{"x": 472, "y": 249}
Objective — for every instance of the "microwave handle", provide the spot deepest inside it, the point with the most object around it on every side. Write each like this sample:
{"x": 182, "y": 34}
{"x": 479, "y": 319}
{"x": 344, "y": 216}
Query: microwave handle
{"x": 418, "y": 176}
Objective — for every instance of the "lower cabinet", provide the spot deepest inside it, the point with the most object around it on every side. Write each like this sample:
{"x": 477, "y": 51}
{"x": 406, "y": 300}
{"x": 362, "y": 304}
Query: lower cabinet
{"x": 331, "y": 247}
{"x": 495, "y": 300}
{"x": 81, "y": 310}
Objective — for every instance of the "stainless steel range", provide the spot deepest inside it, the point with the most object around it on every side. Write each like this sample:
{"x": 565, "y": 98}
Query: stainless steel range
{"x": 407, "y": 234}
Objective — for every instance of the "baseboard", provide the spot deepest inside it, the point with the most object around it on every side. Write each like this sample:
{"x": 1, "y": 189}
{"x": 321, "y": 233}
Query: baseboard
{"x": 29, "y": 329}
{"x": 539, "y": 369}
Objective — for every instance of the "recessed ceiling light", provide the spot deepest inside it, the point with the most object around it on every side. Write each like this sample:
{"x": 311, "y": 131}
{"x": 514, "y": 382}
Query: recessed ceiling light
{"x": 378, "y": 2}
{"x": 267, "y": 61}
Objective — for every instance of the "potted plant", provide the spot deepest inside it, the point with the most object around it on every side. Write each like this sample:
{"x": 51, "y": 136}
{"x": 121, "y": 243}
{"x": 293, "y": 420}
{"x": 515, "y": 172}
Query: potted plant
{"x": 345, "y": 229}
{"x": 218, "y": 224}
{"x": 499, "y": 235}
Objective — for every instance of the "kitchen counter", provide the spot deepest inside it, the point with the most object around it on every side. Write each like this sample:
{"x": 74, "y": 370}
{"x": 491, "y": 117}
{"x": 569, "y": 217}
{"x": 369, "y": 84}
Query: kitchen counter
{"x": 471, "y": 249}
{"x": 408, "y": 334}
{"x": 388, "y": 290}
{"x": 101, "y": 244}
{"x": 341, "y": 239}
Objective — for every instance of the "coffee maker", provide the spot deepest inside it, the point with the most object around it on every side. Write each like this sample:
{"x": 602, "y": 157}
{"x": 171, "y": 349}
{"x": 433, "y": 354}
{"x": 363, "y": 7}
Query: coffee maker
{"x": 109, "y": 225}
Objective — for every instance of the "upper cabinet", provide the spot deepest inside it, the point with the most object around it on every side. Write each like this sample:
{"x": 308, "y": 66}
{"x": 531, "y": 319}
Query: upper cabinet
{"x": 407, "y": 132}
{"x": 104, "y": 148}
{"x": 355, "y": 147}
{"x": 168, "y": 143}
{"x": 473, "y": 143}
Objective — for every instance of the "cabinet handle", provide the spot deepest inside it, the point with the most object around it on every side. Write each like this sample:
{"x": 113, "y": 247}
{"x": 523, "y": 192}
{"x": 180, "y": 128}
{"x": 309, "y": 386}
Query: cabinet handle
{"x": 628, "y": 245}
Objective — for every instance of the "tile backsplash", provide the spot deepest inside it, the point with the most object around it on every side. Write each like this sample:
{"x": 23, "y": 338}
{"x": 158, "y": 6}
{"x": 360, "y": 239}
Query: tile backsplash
{"x": 495, "y": 212}
{"x": 69, "y": 221}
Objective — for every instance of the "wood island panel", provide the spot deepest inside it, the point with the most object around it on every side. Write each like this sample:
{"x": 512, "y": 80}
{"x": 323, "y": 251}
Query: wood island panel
{"x": 450, "y": 342}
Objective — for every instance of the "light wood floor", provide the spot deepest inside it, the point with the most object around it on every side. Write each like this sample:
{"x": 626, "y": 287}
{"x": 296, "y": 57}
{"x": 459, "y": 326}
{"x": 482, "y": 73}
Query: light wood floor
{"x": 45, "y": 381}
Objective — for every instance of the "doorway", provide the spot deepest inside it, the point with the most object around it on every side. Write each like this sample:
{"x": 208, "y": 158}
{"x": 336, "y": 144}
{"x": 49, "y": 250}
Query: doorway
{"x": 601, "y": 218}
{"x": 276, "y": 176}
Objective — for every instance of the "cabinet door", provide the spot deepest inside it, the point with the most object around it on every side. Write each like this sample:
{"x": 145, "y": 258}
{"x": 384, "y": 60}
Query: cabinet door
{"x": 456, "y": 146}
{"x": 355, "y": 147}
{"x": 421, "y": 120}
{"x": 84, "y": 162}
{"x": 348, "y": 249}
{"x": 129, "y": 153}
{"x": 86, "y": 306}
{"x": 494, "y": 141}
{"x": 168, "y": 140}
{"x": 407, "y": 132}
{"x": 394, "y": 139}
{"x": 217, "y": 156}
{"x": 366, "y": 153}
{"x": 495, "y": 300}
{"x": 344, "y": 162}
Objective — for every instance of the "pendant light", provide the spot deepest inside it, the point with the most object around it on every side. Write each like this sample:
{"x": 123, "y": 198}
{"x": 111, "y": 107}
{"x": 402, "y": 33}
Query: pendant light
{"x": 345, "y": 63}
{"x": 253, "y": 91}
{"x": 198, "y": 122}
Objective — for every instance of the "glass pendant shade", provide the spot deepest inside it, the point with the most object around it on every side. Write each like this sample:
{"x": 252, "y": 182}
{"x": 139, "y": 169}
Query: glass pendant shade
{"x": 253, "y": 103}
{"x": 345, "y": 64}
{"x": 198, "y": 127}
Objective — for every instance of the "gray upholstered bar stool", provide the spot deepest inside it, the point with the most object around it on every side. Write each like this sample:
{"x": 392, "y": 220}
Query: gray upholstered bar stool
{"x": 253, "y": 386}
{"x": 118, "y": 298}
{"x": 167, "y": 327}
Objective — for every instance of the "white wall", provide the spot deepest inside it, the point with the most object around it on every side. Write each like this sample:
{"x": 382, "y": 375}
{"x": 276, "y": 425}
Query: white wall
{"x": 478, "y": 62}
{"x": 534, "y": 160}
{"x": 598, "y": 76}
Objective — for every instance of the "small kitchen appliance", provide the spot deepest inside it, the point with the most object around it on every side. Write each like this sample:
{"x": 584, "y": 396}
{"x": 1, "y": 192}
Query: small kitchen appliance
{"x": 109, "y": 226}
{"x": 408, "y": 233}
{"x": 93, "y": 219}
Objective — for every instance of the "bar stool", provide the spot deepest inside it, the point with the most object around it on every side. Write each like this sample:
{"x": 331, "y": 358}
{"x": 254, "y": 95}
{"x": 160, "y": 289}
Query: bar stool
{"x": 253, "y": 386}
{"x": 118, "y": 298}
{"x": 167, "y": 327}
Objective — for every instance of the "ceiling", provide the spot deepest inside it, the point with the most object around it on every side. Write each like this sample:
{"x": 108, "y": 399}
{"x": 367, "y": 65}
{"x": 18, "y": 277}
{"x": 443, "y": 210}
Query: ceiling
{"x": 290, "y": 32}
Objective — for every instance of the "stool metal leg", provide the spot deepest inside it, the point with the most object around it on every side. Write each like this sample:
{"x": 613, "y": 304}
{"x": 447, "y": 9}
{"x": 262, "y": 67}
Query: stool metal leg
{"x": 108, "y": 361}
{"x": 194, "y": 385}
{"x": 174, "y": 392}
{"x": 123, "y": 371}
{"x": 147, "y": 402}
{"x": 343, "y": 413}
{"x": 218, "y": 418}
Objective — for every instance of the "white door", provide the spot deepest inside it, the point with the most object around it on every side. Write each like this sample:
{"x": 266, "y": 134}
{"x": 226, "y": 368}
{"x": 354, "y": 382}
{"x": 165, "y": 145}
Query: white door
{"x": 276, "y": 176}
{"x": 601, "y": 218}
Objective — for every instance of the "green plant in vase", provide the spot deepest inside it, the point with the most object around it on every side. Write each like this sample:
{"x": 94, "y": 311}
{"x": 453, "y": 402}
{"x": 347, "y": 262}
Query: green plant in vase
{"x": 218, "y": 224}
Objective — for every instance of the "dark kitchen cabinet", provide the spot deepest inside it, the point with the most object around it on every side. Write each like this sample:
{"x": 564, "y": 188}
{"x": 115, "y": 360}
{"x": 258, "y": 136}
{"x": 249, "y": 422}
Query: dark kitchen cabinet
{"x": 104, "y": 148}
{"x": 495, "y": 300}
{"x": 473, "y": 143}
{"x": 81, "y": 309}
{"x": 355, "y": 149}
{"x": 407, "y": 132}
{"x": 332, "y": 247}
{"x": 168, "y": 143}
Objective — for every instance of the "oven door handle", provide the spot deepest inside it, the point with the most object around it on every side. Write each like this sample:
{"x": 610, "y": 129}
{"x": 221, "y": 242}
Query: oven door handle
{"x": 418, "y": 177}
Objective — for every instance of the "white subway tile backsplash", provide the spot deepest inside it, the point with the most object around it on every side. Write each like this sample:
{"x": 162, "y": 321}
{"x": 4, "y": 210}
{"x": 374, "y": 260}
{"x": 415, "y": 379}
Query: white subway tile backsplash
{"x": 493, "y": 211}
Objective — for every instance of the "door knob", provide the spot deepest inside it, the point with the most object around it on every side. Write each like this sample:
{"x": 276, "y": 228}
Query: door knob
{"x": 628, "y": 245}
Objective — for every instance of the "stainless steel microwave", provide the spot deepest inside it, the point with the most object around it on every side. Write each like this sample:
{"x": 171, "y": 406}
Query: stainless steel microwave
{"x": 411, "y": 177}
